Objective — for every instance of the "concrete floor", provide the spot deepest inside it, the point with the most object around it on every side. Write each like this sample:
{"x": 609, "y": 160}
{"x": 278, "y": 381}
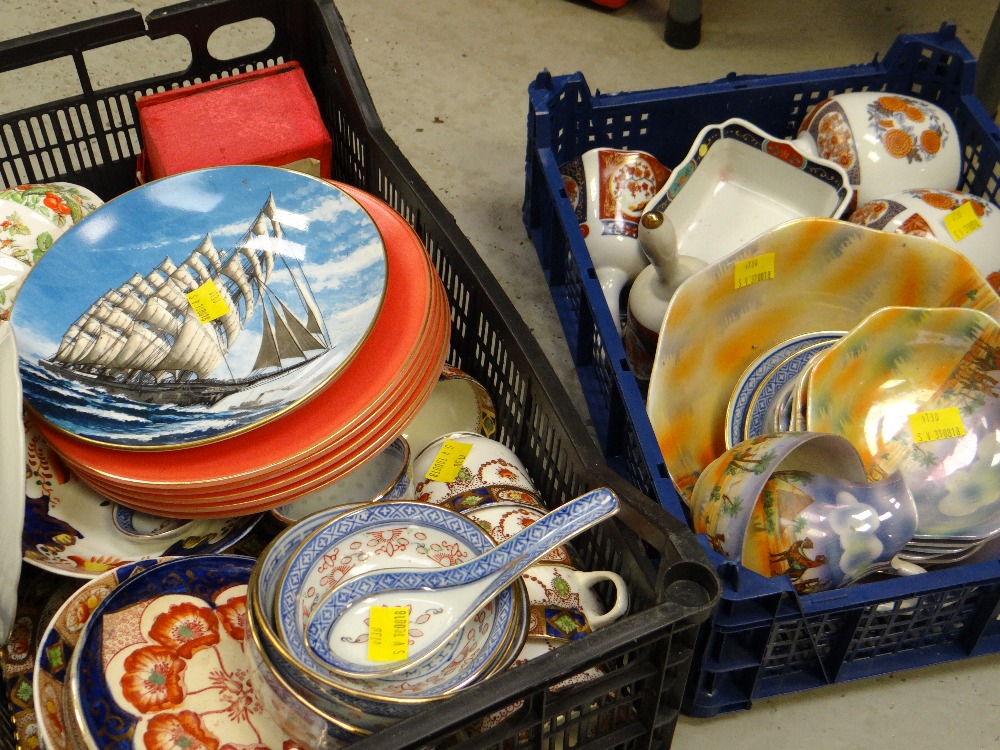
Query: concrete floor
{"x": 449, "y": 80}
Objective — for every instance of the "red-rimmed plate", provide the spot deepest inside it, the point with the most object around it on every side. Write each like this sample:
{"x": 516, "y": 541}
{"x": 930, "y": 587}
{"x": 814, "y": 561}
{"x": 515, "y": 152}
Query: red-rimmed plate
{"x": 294, "y": 438}
{"x": 306, "y": 479}
{"x": 404, "y": 400}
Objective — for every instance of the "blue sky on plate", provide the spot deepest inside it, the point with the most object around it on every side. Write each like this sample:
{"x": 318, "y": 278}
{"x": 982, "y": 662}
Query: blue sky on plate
{"x": 342, "y": 253}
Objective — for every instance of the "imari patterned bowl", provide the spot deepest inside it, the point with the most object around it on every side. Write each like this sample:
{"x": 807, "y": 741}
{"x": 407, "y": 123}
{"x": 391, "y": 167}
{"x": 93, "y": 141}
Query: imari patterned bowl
{"x": 735, "y": 182}
{"x": 917, "y": 390}
{"x": 885, "y": 142}
{"x": 966, "y": 222}
{"x": 161, "y": 662}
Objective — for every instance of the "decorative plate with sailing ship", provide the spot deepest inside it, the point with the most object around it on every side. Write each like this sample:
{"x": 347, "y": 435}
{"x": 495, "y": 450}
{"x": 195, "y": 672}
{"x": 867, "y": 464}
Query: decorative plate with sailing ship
{"x": 347, "y": 422}
{"x": 198, "y": 306}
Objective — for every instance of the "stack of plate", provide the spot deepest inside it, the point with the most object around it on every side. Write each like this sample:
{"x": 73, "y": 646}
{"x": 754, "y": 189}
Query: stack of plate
{"x": 219, "y": 342}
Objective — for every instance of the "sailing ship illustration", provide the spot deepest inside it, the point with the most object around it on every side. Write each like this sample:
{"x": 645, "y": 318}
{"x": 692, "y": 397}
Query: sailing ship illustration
{"x": 144, "y": 340}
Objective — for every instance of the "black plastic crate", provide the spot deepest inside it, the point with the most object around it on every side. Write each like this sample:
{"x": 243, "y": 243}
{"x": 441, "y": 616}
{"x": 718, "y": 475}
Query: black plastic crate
{"x": 765, "y": 639}
{"x": 92, "y": 139}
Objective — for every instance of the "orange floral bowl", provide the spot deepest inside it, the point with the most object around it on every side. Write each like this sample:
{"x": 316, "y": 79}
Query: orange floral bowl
{"x": 885, "y": 142}
{"x": 163, "y": 658}
{"x": 968, "y": 223}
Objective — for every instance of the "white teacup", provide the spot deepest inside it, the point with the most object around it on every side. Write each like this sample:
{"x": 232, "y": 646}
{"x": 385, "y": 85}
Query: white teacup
{"x": 563, "y": 586}
{"x": 609, "y": 189}
{"x": 458, "y": 403}
{"x": 923, "y": 212}
{"x": 501, "y": 521}
{"x": 885, "y": 142}
{"x": 459, "y": 462}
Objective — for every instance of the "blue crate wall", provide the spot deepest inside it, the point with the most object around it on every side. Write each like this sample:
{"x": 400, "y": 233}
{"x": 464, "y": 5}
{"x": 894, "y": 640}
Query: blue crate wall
{"x": 764, "y": 639}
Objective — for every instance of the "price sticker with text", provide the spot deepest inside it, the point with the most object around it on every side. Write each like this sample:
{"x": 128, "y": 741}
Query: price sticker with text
{"x": 938, "y": 424}
{"x": 388, "y": 633}
{"x": 962, "y": 222}
{"x": 207, "y": 302}
{"x": 448, "y": 462}
{"x": 753, "y": 270}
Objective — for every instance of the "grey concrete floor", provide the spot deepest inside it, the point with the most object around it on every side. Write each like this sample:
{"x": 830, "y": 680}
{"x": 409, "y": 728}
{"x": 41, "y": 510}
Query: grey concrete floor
{"x": 449, "y": 80}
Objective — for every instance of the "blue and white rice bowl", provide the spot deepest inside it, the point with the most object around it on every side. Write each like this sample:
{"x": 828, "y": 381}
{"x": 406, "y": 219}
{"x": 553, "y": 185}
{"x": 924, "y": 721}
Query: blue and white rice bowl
{"x": 371, "y": 704}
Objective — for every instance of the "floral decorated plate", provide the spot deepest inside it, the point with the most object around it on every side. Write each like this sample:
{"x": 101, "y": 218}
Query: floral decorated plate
{"x": 827, "y": 275}
{"x": 69, "y": 528}
{"x": 410, "y": 313}
{"x": 251, "y": 289}
{"x": 56, "y": 646}
{"x": 916, "y": 391}
{"x": 12, "y": 451}
{"x": 62, "y": 203}
{"x": 161, "y": 663}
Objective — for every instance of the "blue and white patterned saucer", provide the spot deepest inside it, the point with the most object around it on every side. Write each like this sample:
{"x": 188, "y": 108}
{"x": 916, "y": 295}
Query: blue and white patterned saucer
{"x": 762, "y": 380}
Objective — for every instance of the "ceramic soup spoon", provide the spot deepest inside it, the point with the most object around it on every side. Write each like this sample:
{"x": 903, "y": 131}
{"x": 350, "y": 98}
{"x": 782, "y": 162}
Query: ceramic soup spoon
{"x": 455, "y": 594}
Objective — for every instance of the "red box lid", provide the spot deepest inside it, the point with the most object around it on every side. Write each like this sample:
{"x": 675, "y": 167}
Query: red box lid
{"x": 266, "y": 116}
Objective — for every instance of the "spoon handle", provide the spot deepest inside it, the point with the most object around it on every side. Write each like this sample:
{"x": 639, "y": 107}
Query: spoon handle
{"x": 483, "y": 576}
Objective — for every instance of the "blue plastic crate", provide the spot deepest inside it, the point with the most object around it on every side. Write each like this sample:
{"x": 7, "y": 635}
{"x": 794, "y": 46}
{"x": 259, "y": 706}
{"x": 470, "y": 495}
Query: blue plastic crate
{"x": 764, "y": 639}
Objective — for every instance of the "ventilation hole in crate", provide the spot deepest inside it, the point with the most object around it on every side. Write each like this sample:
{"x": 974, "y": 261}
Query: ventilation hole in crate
{"x": 46, "y": 171}
{"x": 19, "y": 173}
{"x": 29, "y": 133}
{"x": 241, "y": 39}
{"x": 8, "y": 146}
{"x": 58, "y": 163}
{"x": 8, "y": 177}
{"x": 111, "y": 148}
{"x": 32, "y": 85}
{"x": 114, "y": 65}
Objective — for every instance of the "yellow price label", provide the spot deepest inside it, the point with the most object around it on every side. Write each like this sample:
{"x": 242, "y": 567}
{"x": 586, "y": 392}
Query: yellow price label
{"x": 938, "y": 424}
{"x": 448, "y": 462}
{"x": 962, "y": 222}
{"x": 388, "y": 633}
{"x": 207, "y": 302}
{"x": 753, "y": 270}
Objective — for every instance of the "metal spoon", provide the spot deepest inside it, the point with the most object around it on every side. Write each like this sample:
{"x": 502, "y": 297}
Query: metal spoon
{"x": 460, "y": 591}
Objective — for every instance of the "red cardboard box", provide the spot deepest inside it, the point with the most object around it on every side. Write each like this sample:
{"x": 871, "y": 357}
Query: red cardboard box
{"x": 267, "y": 117}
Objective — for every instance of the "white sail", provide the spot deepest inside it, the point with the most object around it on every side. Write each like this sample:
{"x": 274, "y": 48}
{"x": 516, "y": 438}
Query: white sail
{"x": 267, "y": 354}
{"x": 145, "y": 329}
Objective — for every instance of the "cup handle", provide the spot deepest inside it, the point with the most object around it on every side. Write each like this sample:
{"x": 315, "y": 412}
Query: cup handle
{"x": 590, "y": 578}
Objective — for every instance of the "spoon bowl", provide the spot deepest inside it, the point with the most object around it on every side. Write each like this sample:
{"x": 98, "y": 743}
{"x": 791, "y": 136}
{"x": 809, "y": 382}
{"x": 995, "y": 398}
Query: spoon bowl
{"x": 448, "y": 597}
